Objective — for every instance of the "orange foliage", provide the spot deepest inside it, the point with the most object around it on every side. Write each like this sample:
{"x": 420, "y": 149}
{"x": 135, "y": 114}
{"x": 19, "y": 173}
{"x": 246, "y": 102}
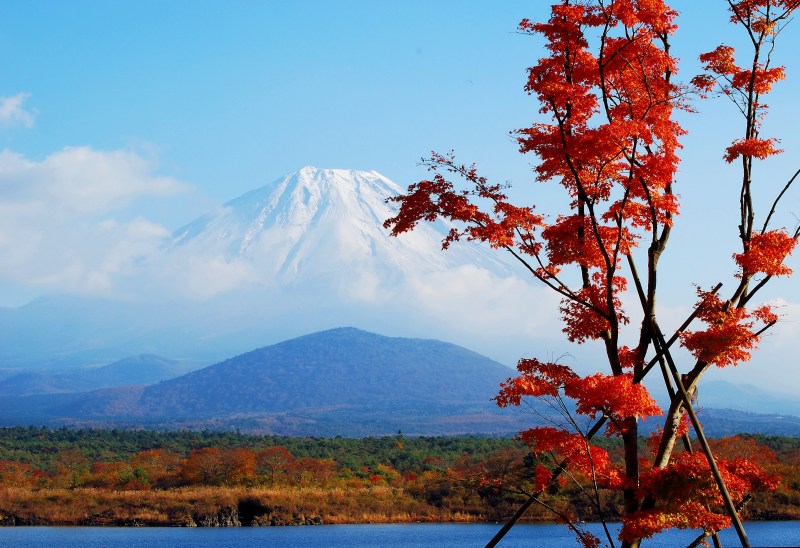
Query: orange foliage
{"x": 688, "y": 495}
{"x": 766, "y": 252}
{"x": 612, "y": 396}
{"x": 17, "y": 474}
{"x": 275, "y": 463}
{"x": 607, "y": 134}
{"x": 729, "y": 337}
{"x": 158, "y": 466}
{"x": 752, "y": 148}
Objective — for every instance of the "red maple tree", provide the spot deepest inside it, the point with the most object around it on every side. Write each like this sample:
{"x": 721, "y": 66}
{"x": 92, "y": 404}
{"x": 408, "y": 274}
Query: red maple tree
{"x": 608, "y": 95}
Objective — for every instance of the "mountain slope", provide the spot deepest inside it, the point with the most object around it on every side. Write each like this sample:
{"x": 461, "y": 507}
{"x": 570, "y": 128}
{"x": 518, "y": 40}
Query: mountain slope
{"x": 338, "y": 382}
{"x": 745, "y": 397}
{"x": 343, "y": 367}
{"x": 319, "y": 223}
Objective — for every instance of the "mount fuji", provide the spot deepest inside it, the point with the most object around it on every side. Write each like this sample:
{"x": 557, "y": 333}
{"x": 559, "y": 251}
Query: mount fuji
{"x": 325, "y": 227}
{"x": 305, "y": 253}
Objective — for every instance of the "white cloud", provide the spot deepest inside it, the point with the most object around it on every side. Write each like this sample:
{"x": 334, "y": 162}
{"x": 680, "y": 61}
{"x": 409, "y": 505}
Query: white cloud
{"x": 12, "y": 113}
{"x": 63, "y": 222}
{"x": 81, "y": 179}
{"x": 507, "y": 318}
{"x": 206, "y": 277}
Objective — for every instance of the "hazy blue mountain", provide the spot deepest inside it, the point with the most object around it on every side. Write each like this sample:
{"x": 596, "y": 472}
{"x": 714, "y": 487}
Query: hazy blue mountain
{"x": 748, "y": 398}
{"x": 34, "y": 382}
{"x": 342, "y": 381}
{"x": 338, "y": 382}
{"x": 144, "y": 369}
{"x": 728, "y": 422}
{"x": 59, "y": 333}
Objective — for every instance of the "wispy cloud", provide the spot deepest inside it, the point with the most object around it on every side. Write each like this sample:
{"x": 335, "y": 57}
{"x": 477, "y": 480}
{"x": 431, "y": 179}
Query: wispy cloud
{"x": 81, "y": 179}
{"x": 13, "y": 113}
{"x": 63, "y": 220}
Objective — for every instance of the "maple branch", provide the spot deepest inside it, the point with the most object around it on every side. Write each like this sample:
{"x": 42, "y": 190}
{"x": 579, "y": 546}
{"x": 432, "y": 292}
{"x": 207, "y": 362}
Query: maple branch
{"x": 484, "y": 190}
{"x": 583, "y": 201}
{"x": 566, "y": 519}
{"x": 531, "y": 499}
{"x": 705, "y": 534}
{"x": 677, "y": 333}
{"x": 663, "y": 350}
{"x": 561, "y": 288}
{"x": 687, "y": 404}
{"x": 778, "y": 199}
{"x": 596, "y": 501}
{"x": 746, "y": 22}
{"x": 659, "y": 355}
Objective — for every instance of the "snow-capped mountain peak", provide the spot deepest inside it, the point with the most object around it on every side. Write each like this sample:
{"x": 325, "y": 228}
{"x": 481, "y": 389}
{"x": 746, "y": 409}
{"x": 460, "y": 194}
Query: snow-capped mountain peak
{"x": 324, "y": 225}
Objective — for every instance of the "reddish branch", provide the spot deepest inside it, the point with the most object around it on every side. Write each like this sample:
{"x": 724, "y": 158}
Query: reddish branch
{"x": 607, "y": 135}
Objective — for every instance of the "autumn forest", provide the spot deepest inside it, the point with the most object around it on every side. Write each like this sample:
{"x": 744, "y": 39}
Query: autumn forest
{"x": 100, "y": 477}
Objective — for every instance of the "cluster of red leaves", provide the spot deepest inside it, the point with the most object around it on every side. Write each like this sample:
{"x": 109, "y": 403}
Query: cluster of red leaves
{"x": 634, "y": 149}
{"x": 611, "y": 396}
{"x": 765, "y": 254}
{"x": 683, "y": 515}
{"x": 586, "y": 459}
{"x": 688, "y": 494}
{"x": 721, "y": 62}
{"x": 759, "y": 15}
{"x": 586, "y": 539}
{"x": 542, "y": 477}
{"x": 729, "y": 337}
{"x": 431, "y": 199}
{"x": 746, "y": 85}
{"x": 574, "y": 239}
{"x": 537, "y": 379}
{"x": 587, "y": 315}
{"x": 616, "y": 397}
{"x": 752, "y": 148}
{"x": 629, "y": 358}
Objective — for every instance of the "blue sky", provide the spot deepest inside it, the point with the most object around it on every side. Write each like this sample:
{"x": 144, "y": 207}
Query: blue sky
{"x": 138, "y": 116}
{"x": 229, "y": 95}
{"x": 226, "y": 96}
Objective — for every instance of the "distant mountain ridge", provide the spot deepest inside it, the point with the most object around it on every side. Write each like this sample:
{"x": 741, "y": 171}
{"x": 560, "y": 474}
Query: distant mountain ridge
{"x": 342, "y": 381}
{"x": 339, "y": 367}
{"x": 745, "y": 397}
{"x": 140, "y": 370}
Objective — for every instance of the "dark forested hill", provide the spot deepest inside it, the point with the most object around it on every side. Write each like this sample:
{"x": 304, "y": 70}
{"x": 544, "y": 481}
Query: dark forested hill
{"x": 343, "y": 367}
{"x": 343, "y": 381}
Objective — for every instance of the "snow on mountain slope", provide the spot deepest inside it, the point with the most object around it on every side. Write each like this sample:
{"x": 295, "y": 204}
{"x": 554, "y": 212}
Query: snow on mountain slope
{"x": 323, "y": 226}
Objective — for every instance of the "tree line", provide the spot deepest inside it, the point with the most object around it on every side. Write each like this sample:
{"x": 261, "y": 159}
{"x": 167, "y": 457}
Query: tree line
{"x": 440, "y": 478}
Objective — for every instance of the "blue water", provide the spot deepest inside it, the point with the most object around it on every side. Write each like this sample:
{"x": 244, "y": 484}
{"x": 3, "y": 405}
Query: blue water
{"x": 406, "y": 536}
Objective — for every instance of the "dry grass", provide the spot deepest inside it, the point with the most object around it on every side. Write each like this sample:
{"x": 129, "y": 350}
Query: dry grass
{"x": 216, "y": 506}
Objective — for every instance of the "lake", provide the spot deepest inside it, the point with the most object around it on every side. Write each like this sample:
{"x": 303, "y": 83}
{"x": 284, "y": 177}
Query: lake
{"x": 405, "y": 535}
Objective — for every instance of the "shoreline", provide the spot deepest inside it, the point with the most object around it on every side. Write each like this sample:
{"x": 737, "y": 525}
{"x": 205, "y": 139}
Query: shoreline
{"x": 241, "y": 507}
